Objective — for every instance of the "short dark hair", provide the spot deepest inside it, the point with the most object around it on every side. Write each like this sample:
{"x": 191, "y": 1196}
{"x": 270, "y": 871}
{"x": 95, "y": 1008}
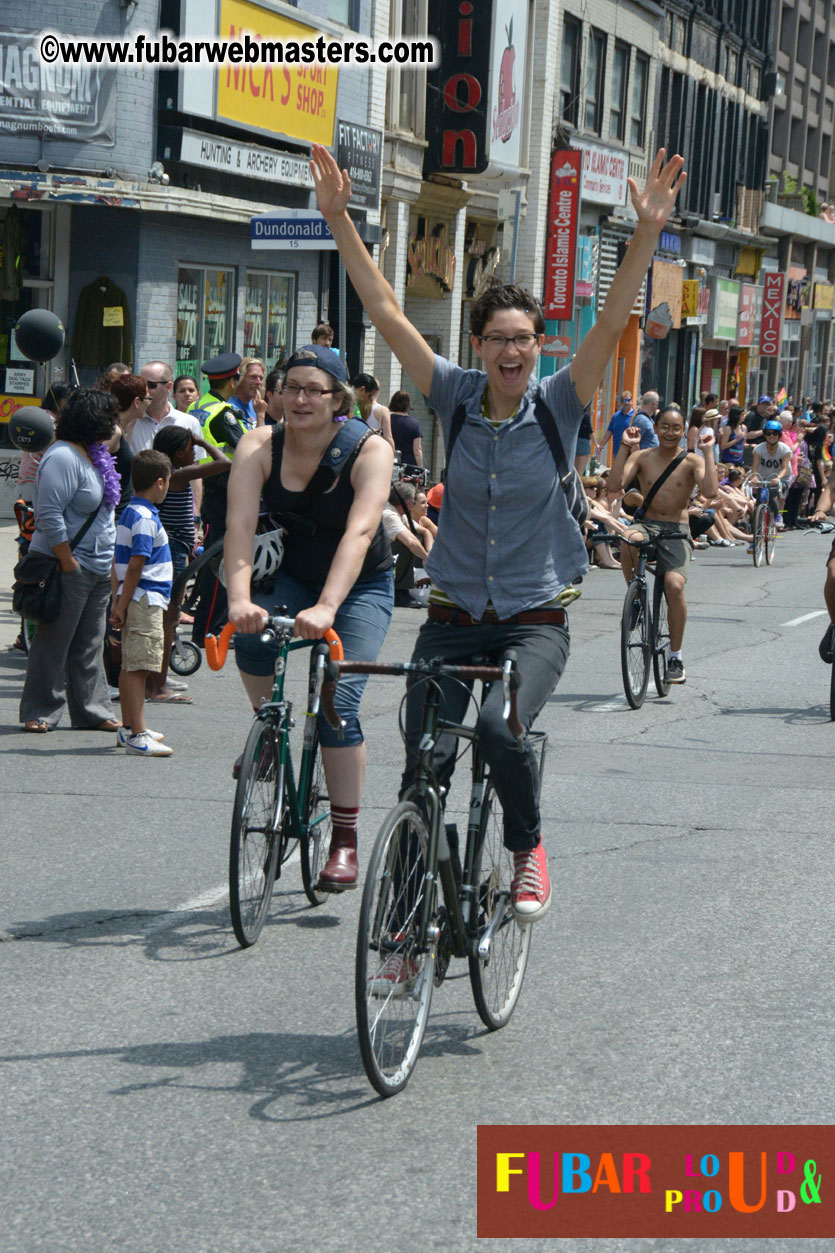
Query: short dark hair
{"x": 148, "y": 466}
{"x": 55, "y": 394}
{"x": 171, "y": 439}
{"x": 367, "y": 381}
{"x": 181, "y": 378}
{"x": 401, "y": 402}
{"x": 674, "y": 409}
{"x": 710, "y": 400}
{"x": 272, "y": 383}
{"x": 498, "y": 295}
{"x": 322, "y": 328}
{"x": 88, "y": 417}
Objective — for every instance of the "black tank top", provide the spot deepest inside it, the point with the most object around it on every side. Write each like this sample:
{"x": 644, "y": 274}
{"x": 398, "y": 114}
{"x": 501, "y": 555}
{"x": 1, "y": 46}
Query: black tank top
{"x": 314, "y": 537}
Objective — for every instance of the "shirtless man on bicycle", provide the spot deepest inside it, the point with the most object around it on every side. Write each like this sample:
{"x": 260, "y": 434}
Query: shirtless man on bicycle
{"x": 508, "y": 546}
{"x": 666, "y": 517}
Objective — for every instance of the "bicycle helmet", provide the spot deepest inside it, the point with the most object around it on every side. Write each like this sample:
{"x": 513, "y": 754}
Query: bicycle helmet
{"x": 267, "y": 555}
{"x": 772, "y": 425}
{"x": 31, "y": 429}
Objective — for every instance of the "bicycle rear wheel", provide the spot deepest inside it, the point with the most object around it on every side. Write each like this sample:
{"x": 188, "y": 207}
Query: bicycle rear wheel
{"x": 394, "y": 976}
{"x": 257, "y": 832}
{"x": 317, "y": 819}
{"x": 634, "y": 644}
{"x": 660, "y": 637}
{"x": 770, "y": 537}
{"x": 757, "y": 531}
{"x": 497, "y": 968}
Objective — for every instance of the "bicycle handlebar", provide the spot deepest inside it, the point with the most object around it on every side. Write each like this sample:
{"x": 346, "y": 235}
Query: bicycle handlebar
{"x": 217, "y": 647}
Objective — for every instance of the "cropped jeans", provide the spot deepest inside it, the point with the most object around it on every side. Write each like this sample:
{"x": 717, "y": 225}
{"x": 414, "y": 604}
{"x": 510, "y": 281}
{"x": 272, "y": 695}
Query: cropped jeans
{"x": 361, "y": 623}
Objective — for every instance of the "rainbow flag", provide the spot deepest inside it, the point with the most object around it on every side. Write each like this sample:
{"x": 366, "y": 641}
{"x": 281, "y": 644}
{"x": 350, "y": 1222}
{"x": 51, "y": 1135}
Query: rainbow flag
{"x": 780, "y": 399}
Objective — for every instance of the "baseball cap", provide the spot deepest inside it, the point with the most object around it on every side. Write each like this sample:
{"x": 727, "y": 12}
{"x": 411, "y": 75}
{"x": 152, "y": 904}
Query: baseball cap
{"x": 764, "y": 400}
{"x": 321, "y": 358}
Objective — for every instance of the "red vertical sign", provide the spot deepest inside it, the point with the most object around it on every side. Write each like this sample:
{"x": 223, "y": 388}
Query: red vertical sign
{"x": 772, "y": 315}
{"x": 563, "y": 217}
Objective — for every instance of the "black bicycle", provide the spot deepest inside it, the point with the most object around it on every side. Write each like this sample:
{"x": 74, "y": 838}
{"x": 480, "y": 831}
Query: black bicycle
{"x": 644, "y": 633}
{"x": 422, "y": 905}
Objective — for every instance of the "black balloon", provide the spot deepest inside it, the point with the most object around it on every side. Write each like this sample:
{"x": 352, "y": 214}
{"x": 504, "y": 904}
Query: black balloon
{"x": 40, "y": 335}
{"x": 31, "y": 429}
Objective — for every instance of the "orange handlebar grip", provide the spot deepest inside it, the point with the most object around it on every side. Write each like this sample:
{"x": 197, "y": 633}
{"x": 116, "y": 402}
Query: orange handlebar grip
{"x": 335, "y": 645}
{"x": 216, "y": 649}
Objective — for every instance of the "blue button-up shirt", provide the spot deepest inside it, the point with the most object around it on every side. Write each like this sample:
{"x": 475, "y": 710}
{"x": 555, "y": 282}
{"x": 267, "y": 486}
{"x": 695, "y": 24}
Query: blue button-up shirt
{"x": 505, "y": 535}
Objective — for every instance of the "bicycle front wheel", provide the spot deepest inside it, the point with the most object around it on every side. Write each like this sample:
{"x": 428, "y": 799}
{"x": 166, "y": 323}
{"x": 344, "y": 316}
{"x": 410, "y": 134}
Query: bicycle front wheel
{"x": 394, "y": 975}
{"x": 497, "y": 968}
{"x": 634, "y": 645}
{"x": 770, "y": 537}
{"x": 317, "y": 820}
{"x": 257, "y": 832}
{"x": 660, "y": 637}
{"x": 758, "y": 525}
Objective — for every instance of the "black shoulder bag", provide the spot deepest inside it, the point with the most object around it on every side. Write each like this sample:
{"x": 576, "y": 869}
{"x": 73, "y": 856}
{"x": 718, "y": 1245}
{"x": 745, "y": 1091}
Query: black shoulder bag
{"x": 640, "y": 512}
{"x": 36, "y": 591}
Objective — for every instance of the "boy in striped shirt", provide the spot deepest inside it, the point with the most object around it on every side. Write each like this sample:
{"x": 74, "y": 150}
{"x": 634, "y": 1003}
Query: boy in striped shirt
{"x": 142, "y": 564}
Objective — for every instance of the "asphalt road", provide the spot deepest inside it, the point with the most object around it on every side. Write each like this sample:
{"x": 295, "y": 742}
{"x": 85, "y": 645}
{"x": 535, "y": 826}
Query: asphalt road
{"x": 162, "y": 1090}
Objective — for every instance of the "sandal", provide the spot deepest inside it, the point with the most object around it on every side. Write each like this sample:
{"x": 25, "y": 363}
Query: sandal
{"x": 109, "y": 724}
{"x": 37, "y": 726}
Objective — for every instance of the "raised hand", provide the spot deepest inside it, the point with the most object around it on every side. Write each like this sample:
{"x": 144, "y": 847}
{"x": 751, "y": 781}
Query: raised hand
{"x": 333, "y": 186}
{"x": 631, "y": 437}
{"x": 707, "y": 439}
{"x": 655, "y": 203}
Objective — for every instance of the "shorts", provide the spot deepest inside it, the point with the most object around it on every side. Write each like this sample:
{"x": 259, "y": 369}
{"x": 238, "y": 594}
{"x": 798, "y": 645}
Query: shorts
{"x": 180, "y": 555}
{"x": 361, "y": 623}
{"x": 583, "y": 447}
{"x": 142, "y": 638}
{"x": 675, "y": 544}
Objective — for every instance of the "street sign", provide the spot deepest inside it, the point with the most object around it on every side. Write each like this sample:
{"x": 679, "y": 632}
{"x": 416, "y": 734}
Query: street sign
{"x": 294, "y": 229}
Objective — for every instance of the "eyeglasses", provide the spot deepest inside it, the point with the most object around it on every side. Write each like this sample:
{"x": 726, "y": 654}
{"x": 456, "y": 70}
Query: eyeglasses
{"x": 522, "y": 341}
{"x": 669, "y": 430}
{"x": 151, "y": 384}
{"x": 312, "y": 391}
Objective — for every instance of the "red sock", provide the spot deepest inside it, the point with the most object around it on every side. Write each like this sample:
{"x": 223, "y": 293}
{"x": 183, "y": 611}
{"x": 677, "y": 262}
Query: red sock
{"x": 344, "y": 822}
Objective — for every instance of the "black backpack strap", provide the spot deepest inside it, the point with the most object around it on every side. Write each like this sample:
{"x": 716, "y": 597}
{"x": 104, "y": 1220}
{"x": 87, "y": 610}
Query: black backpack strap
{"x": 548, "y": 426}
{"x": 455, "y": 430}
{"x": 340, "y": 454}
{"x": 659, "y": 482}
{"x": 88, "y": 522}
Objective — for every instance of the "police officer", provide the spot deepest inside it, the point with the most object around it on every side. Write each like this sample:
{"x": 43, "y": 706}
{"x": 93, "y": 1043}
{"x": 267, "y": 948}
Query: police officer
{"x": 223, "y": 427}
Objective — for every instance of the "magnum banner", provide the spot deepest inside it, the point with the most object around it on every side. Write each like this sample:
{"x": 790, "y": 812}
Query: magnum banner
{"x": 72, "y": 102}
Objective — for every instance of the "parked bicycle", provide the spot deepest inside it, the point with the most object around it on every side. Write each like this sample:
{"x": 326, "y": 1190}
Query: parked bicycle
{"x": 274, "y": 814}
{"x": 644, "y": 633}
{"x": 423, "y": 905}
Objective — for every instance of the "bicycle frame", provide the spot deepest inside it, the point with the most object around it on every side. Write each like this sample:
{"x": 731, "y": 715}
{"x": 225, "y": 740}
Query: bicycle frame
{"x": 458, "y": 886}
{"x": 282, "y": 710}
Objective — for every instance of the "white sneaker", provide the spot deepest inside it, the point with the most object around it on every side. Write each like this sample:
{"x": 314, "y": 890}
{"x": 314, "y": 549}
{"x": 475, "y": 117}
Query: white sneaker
{"x": 176, "y": 685}
{"x": 144, "y": 746}
{"x": 124, "y": 734}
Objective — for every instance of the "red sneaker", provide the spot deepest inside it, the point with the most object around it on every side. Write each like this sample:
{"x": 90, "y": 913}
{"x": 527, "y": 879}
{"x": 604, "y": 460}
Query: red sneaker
{"x": 531, "y": 888}
{"x": 395, "y": 975}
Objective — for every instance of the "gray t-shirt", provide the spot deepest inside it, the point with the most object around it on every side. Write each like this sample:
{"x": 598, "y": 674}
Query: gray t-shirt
{"x": 770, "y": 462}
{"x": 67, "y": 489}
{"x": 505, "y": 535}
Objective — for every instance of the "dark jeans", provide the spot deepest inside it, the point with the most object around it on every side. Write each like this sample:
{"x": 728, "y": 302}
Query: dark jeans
{"x": 542, "y": 651}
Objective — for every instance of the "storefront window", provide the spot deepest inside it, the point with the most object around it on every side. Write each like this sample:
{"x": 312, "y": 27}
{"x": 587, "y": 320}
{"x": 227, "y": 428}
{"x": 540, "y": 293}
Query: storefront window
{"x": 280, "y": 309}
{"x": 791, "y": 358}
{"x": 205, "y": 316}
{"x": 254, "y": 314}
{"x": 25, "y": 283}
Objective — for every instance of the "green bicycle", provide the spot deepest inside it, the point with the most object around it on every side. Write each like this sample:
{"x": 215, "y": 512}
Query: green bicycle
{"x": 273, "y": 814}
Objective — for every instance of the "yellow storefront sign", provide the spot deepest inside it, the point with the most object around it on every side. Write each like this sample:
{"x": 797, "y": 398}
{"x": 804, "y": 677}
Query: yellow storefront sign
{"x": 298, "y": 101}
{"x": 824, "y": 296}
{"x": 690, "y": 298}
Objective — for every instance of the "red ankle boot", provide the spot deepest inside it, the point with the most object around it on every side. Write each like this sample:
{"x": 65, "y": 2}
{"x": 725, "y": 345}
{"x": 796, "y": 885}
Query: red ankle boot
{"x": 341, "y": 870}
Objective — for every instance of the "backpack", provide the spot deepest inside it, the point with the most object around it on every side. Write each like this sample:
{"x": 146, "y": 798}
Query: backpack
{"x": 569, "y": 479}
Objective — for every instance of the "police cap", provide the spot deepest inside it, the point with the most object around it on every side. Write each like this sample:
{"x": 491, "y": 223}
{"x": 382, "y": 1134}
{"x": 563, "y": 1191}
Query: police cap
{"x": 226, "y": 366}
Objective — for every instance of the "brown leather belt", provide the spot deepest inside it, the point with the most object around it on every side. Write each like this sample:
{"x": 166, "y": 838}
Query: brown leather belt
{"x": 529, "y": 617}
